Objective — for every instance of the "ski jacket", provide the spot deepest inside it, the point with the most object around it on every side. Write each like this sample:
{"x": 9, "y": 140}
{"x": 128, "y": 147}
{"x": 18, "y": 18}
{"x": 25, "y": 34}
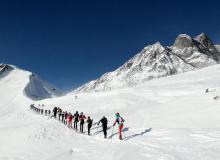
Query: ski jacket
{"x": 82, "y": 118}
{"x": 119, "y": 120}
{"x": 55, "y": 109}
{"x": 104, "y": 121}
{"x": 70, "y": 118}
{"x": 89, "y": 121}
{"x": 76, "y": 117}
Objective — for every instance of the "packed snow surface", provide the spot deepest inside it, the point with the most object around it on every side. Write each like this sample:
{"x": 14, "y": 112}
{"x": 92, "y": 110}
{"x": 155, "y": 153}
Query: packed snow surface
{"x": 171, "y": 118}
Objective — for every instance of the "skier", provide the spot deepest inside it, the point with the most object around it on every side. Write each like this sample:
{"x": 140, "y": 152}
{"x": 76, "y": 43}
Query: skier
{"x": 82, "y": 118}
{"x": 70, "y": 118}
{"x": 89, "y": 122}
{"x": 120, "y": 122}
{"x": 104, "y": 122}
{"x": 55, "y": 112}
{"x": 62, "y": 115}
{"x": 65, "y": 117}
{"x": 41, "y": 111}
{"x": 76, "y": 119}
{"x": 45, "y": 112}
{"x": 59, "y": 113}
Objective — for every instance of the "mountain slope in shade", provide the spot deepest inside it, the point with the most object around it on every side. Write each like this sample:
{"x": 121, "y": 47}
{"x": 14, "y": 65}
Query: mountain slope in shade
{"x": 13, "y": 79}
{"x": 156, "y": 61}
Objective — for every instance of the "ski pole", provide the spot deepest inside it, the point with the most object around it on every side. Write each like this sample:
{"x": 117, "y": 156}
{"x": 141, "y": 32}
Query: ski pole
{"x": 112, "y": 132}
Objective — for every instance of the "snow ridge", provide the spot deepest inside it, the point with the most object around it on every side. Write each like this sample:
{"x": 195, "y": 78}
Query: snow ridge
{"x": 26, "y": 82}
{"x": 156, "y": 61}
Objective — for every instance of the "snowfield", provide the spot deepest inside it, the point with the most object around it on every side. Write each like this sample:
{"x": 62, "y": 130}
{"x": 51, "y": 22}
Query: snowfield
{"x": 170, "y": 118}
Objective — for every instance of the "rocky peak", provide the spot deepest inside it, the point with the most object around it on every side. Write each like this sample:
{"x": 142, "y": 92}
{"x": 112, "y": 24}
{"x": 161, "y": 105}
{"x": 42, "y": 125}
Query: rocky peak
{"x": 183, "y": 41}
{"x": 205, "y": 40}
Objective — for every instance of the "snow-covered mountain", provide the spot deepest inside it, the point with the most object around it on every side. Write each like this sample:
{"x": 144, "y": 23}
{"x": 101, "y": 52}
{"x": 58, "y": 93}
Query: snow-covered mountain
{"x": 156, "y": 61}
{"x": 14, "y": 80}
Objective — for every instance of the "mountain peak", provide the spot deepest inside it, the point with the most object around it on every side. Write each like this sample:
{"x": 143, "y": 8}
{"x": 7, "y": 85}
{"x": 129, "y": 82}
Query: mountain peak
{"x": 201, "y": 36}
{"x": 183, "y": 41}
{"x": 155, "y": 47}
{"x": 205, "y": 40}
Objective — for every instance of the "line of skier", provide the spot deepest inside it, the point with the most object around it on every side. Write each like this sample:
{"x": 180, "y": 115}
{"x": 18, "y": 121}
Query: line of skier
{"x": 72, "y": 120}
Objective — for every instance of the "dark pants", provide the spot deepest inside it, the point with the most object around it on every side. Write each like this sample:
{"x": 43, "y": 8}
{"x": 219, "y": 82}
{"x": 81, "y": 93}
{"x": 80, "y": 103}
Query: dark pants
{"x": 89, "y": 127}
{"x": 81, "y": 127}
{"x": 75, "y": 124}
{"x": 55, "y": 114}
{"x": 105, "y": 131}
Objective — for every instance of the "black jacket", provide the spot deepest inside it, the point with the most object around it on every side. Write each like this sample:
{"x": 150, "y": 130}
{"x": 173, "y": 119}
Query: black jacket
{"x": 104, "y": 122}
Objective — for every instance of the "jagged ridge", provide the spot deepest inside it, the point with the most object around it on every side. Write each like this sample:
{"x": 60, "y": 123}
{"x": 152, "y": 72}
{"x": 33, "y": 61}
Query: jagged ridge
{"x": 156, "y": 61}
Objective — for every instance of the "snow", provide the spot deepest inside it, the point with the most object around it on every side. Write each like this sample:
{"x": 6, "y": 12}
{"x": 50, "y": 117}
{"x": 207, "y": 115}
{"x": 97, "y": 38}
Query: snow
{"x": 170, "y": 118}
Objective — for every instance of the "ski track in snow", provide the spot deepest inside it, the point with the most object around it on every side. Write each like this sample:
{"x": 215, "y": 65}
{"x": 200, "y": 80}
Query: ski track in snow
{"x": 170, "y": 118}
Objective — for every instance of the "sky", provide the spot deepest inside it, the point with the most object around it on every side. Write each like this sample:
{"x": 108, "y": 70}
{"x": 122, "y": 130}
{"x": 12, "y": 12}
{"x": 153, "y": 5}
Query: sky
{"x": 70, "y": 42}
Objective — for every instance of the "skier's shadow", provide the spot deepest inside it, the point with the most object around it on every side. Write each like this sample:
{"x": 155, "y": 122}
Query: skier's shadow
{"x": 97, "y": 132}
{"x": 138, "y": 134}
{"x": 124, "y": 130}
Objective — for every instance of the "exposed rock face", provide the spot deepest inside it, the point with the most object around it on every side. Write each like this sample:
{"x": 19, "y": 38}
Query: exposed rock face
{"x": 183, "y": 41}
{"x": 156, "y": 61}
{"x": 5, "y": 70}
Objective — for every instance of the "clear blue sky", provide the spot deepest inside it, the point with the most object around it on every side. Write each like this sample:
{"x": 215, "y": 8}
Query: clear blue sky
{"x": 71, "y": 42}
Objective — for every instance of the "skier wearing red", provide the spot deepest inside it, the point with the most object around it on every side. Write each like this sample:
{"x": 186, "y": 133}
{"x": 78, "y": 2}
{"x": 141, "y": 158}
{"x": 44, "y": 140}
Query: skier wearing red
{"x": 69, "y": 118}
{"x": 82, "y": 118}
{"x": 120, "y": 122}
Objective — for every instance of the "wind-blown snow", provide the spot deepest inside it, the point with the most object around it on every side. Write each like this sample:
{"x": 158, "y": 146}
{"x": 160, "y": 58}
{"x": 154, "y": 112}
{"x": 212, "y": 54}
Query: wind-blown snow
{"x": 170, "y": 118}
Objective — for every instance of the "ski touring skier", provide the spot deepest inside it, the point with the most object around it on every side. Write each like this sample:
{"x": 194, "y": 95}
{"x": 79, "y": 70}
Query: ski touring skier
{"x": 82, "y": 118}
{"x": 104, "y": 122}
{"x": 76, "y": 119}
{"x": 65, "y": 117}
{"x": 119, "y": 120}
{"x": 89, "y": 124}
{"x": 62, "y": 116}
{"x": 55, "y": 112}
{"x": 69, "y": 119}
{"x": 59, "y": 113}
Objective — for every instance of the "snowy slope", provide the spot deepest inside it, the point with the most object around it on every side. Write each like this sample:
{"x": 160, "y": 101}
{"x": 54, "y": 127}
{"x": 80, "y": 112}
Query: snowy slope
{"x": 156, "y": 61}
{"x": 170, "y": 118}
{"x": 17, "y": 80}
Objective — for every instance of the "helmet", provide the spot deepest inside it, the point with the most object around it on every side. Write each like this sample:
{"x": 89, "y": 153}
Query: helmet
{"x": 117, "y": 114}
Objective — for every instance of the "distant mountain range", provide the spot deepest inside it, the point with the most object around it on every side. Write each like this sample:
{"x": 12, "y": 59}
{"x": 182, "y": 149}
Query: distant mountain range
{"x": 156, "y": 61}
